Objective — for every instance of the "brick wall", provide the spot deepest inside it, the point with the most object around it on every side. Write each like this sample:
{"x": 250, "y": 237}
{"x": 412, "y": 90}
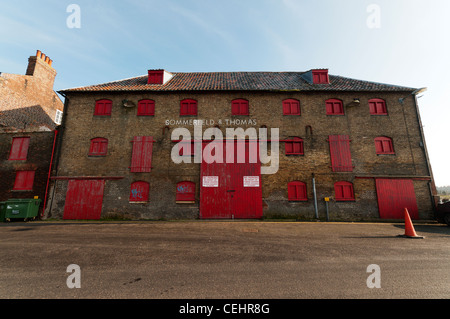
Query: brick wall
{"x": 38, "y": 159}
{"x": 401, "y": 125}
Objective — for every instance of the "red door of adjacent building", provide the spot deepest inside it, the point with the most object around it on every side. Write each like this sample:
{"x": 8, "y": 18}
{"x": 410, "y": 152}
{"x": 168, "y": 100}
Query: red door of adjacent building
{"x": 232, "y": 189}
{"x": 394, "y": 195}
{"x": 84, "y": 199}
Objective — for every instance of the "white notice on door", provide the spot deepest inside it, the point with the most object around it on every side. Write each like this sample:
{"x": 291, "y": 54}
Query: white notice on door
{"x": 251, "y": 181}
{"x": 210, "y": 181}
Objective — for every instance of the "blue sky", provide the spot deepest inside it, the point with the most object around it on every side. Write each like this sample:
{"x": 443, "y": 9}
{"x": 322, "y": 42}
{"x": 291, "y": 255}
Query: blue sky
{"x": 120, "y": 39}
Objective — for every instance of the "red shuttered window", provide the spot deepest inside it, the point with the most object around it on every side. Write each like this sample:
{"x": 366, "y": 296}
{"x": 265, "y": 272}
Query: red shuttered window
{"x": 341, "y": 159}
{"x": 141, "y": 158}
{"x": 343, "y": 191}
{"x": 383, "y": 145}
{"x": 239, "y": 107}
{"x": 185, "y": 192}
{"x": 24, "y": 181}
{"x": 377, "y": 107}
{"x": 103, "y": 107}
{"x": 19, "y": 149}
{"x": 297, "y": 191}
{"x": 334, "y": 107}
{"x": 291, "y": 107}
{"x": 146, "y": 108}
{"x": 320, "y": 77}
{"x": 139, "y": 192}
{"x": 294, "y": 146}
{"x": 99, "y": 147}
{"x": 188, "y": 107}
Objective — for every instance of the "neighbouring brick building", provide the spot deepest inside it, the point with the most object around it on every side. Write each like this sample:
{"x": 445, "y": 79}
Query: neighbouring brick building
{"x": 358, "y": 143}
{"x": 30, "y": 111}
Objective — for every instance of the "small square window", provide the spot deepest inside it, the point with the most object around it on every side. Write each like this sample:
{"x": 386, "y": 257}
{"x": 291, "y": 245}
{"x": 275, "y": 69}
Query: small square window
{"x": 188, "y": 107}
{"x": 19, "y": 149}
{"x": 239, "y": 107}
{"x": 103, "y": 107}
{"x": 297, "y": 191}
{"x": 139, "y": 192}
{"x": 343, "y": 191}
{"x": 99, "y": 147}
{"x": 383, "y": 145}
{"x": 185, "y": 192}
{"x": 146, "y": 108}
{"x": 291, "y": 107}
{"x": 334, "y": 107}
{"x": 377, "y": 107}
{"x": 294, "y": 146}
{"x": 24, "y": 181}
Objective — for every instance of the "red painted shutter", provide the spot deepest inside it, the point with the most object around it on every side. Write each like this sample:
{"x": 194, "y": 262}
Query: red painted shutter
{"x": 291, "y": 107}
{"x": 103, "y": 107}
{"x": 139, "y": 192}
{"x": 297, "y": 191}
{"x": 343, "y": 191}
{"x": 383, "y": 145}
{"x": 84, "y": 199}
{"x": 341, "y": 159}
{"x": 99, "y": 147}
{"x": 239, "y": 107}
{"x": 334, "y": 107}
{"x": 377, "y": 107}
{"x": 141, "y": 159}
{"x": 24, "y": 180}
{"x": 188, "y": 107}
{"x": 19, "y": 149}
{"x": 394, "y": 195}
{"x": 185, "y": 192}
{"x": 146, "y": 107}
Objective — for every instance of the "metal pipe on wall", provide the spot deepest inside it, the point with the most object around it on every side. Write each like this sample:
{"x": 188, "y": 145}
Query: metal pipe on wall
{"x": 315, "y": 196}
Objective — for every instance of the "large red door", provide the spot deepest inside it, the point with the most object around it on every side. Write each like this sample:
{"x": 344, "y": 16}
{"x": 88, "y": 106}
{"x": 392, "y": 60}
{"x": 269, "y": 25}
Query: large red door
{"x": 394, "y": 195}
{"x": 232, "y": 189}
{"x": 84, "y": 199}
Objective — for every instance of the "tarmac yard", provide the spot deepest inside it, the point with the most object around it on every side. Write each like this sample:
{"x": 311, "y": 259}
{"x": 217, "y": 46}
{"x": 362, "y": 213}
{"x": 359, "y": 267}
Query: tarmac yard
{"x": 222, "y": 259}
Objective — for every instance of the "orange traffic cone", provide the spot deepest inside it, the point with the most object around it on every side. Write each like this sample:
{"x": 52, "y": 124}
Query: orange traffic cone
{"x": 409, "y": 228}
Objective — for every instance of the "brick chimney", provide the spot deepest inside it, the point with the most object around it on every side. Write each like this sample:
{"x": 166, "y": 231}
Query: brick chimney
{"x": 40, "y": 67}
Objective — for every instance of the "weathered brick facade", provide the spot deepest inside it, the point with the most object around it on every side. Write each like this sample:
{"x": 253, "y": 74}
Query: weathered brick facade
{"x": 314, "y": 126}
{"x": 28, "y": 107}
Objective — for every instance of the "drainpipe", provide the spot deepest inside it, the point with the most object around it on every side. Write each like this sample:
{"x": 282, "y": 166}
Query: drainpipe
{"x": 315, "y": 196}
{"x": 49, "y": 172}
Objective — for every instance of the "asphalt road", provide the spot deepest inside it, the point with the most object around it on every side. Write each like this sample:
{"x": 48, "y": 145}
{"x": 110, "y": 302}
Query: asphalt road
{"x": 222, "y": 259}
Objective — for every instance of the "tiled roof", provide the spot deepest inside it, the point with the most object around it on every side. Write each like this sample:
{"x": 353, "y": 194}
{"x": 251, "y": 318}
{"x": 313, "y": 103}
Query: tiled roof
{"x": 240, "y": 81}
{"x": 25, "y": 118}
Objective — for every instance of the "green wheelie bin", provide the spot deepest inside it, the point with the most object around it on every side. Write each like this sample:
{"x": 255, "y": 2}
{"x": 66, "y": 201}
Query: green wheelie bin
{"x": 22, "y": 208}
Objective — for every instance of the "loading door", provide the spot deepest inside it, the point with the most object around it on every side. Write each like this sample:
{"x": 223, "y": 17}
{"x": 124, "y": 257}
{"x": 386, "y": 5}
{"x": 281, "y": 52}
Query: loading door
{"x": 232, "y": 189}
{"x": 84, "y": 199}
{"x": 394, "y": 195}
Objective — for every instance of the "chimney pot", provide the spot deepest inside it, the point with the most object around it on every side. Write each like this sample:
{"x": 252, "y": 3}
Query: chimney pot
{"x": 38, "y": 53}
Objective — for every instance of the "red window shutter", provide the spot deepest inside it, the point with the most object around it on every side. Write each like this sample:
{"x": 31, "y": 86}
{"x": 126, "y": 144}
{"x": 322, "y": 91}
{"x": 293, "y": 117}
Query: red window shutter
{"x": 239, "y": 107}
{"x": 377, "y": 107}
{"x": 103, "y": 107}
{"x": 341, "y": 159}
{"x": 19, "y": 149}
{"x": 141, "y": 158}
{"x": 297, "y": 191}
{"x": 24, "y": 180}
{"x": 99, "y": 147}
{"x": 294, "y": 146}
{"x": 334, "y": 107}
{"x": 155, "y": 76}
{"x": 188, "y": 107}
{"x": 291, "y": 107}
{"x": 383, "y": 145}
{"x": 139, "y": 192}
{"x": 343, "y": 191}
{"x": 320, "y": 76}
{"x": 185, "y": 192}
{"x": 146, "y": 108}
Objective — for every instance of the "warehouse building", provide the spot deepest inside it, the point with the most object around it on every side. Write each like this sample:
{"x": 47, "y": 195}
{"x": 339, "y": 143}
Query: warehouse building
{"x": 352, "y": 149}
{"x": 30, "y": 112}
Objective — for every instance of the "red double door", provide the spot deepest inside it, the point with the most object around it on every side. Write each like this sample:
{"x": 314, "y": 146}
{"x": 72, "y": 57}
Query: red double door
{"x": 231, "y": 189}
{"x": 84, "y": 199}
